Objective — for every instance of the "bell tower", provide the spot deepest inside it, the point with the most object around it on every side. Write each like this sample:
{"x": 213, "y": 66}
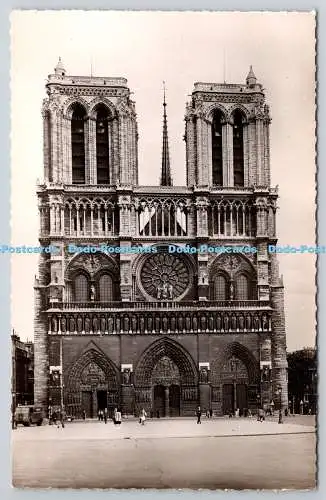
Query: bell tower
{"x": 90, "y": 130}
{"x": 227, "y": 135}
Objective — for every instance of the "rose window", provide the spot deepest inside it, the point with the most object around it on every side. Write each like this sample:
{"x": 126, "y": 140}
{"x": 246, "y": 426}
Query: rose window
{"x": 164, "y": 276}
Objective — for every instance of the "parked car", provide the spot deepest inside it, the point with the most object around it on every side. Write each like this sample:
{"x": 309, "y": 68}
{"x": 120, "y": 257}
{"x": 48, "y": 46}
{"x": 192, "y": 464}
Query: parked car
{"x": 28, "y": 415}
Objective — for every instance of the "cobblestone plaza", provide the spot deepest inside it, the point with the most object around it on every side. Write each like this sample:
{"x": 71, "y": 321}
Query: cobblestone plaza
{"x": 168, "y": 453}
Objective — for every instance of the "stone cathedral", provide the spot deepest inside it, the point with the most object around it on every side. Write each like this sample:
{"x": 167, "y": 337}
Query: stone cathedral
{"x": 141, "y": 326}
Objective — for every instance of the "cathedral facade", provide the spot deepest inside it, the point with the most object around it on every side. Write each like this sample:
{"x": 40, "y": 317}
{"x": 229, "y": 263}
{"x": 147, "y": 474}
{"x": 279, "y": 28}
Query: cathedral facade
{"x": 141, "y": 305}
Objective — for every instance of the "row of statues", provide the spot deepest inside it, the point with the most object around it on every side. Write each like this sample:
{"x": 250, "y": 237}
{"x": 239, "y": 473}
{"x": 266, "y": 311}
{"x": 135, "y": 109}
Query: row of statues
{"x": 157, "y": 323}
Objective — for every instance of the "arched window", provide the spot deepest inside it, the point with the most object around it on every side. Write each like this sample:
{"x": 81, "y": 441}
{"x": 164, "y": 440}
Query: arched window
{"x": 238, "y": 159}
{"x": 78, "y": 145}
{"x": 217, "y": 158}
{"x": 105, "y": 288}
{"x": 220, "y": 288}
{"x": 81, "y": 288}
{"x": 243, "y": 287}
{"x": 102, "y": 146}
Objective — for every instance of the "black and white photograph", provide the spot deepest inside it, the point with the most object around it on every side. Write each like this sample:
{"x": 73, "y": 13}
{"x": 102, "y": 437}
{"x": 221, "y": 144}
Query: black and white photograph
{"x": 163, "y": 250}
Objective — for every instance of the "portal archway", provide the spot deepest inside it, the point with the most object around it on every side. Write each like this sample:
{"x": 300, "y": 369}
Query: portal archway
{"x": 166, "y": 380}
{"x": 235, "y": 379}
{"x": 91, "y": 385}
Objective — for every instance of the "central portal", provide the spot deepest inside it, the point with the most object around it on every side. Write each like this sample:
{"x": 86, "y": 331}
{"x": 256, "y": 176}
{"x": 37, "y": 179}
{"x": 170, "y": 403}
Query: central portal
{"x": 166, "y": 401}
{"x": 166, "y": 388}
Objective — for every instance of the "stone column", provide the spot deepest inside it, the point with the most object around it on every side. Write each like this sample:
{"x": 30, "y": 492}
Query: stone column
{"x": 279, "y": 361}
{"x": 252, "y": 168}
{"x": 265, "y": 369}
{"x": 260, "y": 158}
{"x": 229, "y": 145}
{"x": 167, "y": 401}
{"x": 54, "y": 145}
{"x": 200, "y": 173}
{"x": 41, "y": 354}
{"x": 190, "y": 151}
{"x": 47, "y": 144}
{"x": 91, "y": 163}
{"x": 204, "y": 387}
{"x": 127, "y": 390}
{"x": 225, "y": 155}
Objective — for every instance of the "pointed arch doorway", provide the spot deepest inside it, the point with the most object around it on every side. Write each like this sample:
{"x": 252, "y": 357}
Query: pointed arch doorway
{"x": 166, "y": 388}
{"x": 235, "y": 381}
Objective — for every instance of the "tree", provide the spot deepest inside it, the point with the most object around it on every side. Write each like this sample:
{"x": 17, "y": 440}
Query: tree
{"x": 302, "y": 379}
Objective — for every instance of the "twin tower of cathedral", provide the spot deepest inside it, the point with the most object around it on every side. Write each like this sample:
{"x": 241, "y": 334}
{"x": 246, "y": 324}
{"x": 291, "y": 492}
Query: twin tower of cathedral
{"x": 227, "y": 133}
{"x": 154, "y": 329}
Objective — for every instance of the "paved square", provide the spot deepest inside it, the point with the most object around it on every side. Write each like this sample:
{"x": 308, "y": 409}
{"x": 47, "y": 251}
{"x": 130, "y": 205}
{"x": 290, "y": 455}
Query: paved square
{"x": 218, "y": 454}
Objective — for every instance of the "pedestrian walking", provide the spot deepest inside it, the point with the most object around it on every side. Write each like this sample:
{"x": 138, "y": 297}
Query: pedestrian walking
{"x": 118, "y": 417}
{"x": 210, "y": 412}
{"x": 106, "y": 415}
{"x": 99, "y": 415}
{"x": 61, "y": 420}
{"x": 142, "y": 416}
{"x": 261, "y": 415}
{"x": 84, "y": 414}
{"x": 115, "y": 415}
{"x": 198, "y": 413}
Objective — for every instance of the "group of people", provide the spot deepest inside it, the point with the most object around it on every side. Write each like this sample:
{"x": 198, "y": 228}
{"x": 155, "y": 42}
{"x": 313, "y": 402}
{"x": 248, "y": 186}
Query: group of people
{"x": 103, "y": 415}
{"x": 57, "y": 417}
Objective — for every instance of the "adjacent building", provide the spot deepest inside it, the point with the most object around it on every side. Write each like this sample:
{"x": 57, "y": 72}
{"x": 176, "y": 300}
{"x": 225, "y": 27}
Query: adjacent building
{"x": 138, "y": 325}
{"x": 22, "y": 378}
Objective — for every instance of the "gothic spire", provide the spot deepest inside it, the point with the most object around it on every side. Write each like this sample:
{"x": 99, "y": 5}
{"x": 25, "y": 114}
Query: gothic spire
{"x": 166, "y": 179}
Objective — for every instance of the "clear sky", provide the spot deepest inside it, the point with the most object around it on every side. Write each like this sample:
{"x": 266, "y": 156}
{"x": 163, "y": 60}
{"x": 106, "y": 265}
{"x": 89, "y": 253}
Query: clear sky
{"x": 180, "y": 48}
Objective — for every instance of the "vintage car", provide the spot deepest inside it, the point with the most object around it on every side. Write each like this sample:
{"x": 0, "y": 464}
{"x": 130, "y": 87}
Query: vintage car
{"x": 28, "y": 415}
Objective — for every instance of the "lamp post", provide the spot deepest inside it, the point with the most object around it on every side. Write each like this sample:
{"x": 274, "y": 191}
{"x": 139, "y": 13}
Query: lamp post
{"x": 280, "y": 415}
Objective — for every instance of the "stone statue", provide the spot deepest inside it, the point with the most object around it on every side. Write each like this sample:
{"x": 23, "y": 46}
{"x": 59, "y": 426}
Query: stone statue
{"x": 92, "y": 293}
{"x": 204, "y": 375}
{"x": 265, "y": 374}
{"x": 231, "y": 291}
{"x": 110, "y": 324}
{"x": 165, "y": 291}
{"x": 265, "y": 322}
{"x": 79, "y": 324}
{"x": 234, "y": 322}
{"x": 159, "y": 292}
{"x": 218, "y": 323}
{"x": 142, "y": 324}
{"x": 72, "y": 325}
{"x": 126, "y": 376}
{"x": 170, "y": 291}
{"x": 63, "y": 324}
